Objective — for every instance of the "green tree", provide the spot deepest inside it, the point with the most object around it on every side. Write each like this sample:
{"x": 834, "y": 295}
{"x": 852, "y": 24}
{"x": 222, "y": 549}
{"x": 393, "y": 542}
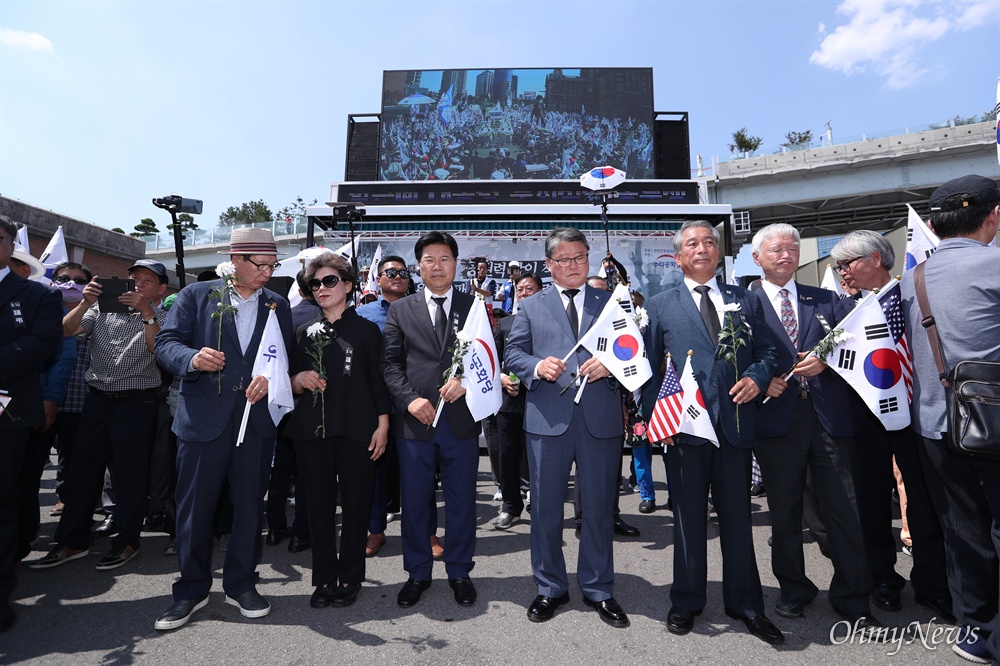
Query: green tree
{"x": 146, "y": 227}
{"x": 743, "y": 143}
{"x": 294, "y": 210}
{"x": 118, "y": 229}
{"x": 248, "y": 213}
{"x": 185, "y": 222}
{"x": 798, "y": 139}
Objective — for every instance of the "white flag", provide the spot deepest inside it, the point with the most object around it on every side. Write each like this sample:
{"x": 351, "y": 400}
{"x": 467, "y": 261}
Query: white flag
{"x": 55, "y": 252}
{"x": 695, "y": 418}
{"x": 272, "y": 363}
{"x": 481, "y": 367}
{"x": 869, "y": 362}
{"x": 372, "y": 286}
{"x": 22, "y": 235}
{"x": 615, "y": 340}
{"x": 920, "y": 240}
{"x": 831, "y": 281}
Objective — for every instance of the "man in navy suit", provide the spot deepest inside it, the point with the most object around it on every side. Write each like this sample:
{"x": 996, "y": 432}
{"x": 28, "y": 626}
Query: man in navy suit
{"x": 689, "y": 317}
{"x": 809, "y": 423}
{"x": 560, "y": 432}
{"x": 419, "y": 331}
{"x": 30, "y": 334}
{"x": 216, "y": 386}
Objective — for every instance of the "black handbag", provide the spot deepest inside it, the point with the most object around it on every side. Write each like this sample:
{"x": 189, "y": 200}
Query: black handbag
{"x": 972, "y": 392}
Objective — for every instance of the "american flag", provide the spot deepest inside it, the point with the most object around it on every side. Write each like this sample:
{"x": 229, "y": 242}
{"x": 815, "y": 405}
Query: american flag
{"x": 890, "y": 302}
{"x": 666, "y": 419}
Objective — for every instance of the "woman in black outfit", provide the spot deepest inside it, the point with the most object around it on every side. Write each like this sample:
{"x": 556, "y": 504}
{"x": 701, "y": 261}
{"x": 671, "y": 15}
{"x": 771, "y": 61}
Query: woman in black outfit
{"x": 357, "y": 407}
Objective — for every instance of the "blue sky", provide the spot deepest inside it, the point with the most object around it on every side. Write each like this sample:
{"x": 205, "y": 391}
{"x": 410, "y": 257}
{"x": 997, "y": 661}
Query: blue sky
{"x": 105, "y": 105}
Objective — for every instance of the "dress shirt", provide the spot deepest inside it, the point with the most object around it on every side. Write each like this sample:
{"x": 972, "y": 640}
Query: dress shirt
{"x": 578, "y": 300}
{"x": 432, "y": 306}
{"x": 773, "y": 292}
{"x": 715, "y": 294}
{"x": 246, "y": 316}
{"x": 4, "y": 272}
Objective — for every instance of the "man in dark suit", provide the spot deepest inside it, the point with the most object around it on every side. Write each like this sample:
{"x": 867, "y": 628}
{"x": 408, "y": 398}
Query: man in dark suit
{"x": 561, "y": 432}
{"x": 30, "y": 333}
{"x": 216, "y": 386}
{"x": 690, "y": 317}
{"x": 808, "y": 424}
{"x": 419, "y": 332}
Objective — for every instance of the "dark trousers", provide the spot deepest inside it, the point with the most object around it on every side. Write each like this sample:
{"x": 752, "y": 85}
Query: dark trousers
{"x": 13, "y": 453}
{"x": 332, "y": 465}
{"x": 284, "y": 473}
{"x": 116, "y": 431}
{"x": 162, "y": 464}
{"x": 492, "y": 438}
{"x": 966, "y": 494}
{"x": 726, "y": 469}
{"x": 459, "y": 463}
{"x": 512, "y": 458}
{"x": 66, "y": 426}
{"x": 598, "y": 464}
{"x": 202, "y": 470}
{"x": 874, "y": 481}
{"x": 382, "y": 487}
{"x": 785, "y": 463}
{"x": 30, "y": 482}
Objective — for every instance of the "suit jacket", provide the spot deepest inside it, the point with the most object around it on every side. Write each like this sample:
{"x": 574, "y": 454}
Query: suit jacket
{"x": 541, "y": 329}
{"x": 415, "y": 363}
{"x": 834, "y": 401}
{"x": 30, "y": 334}
{"x": 676, "y": 326}
{"x": 202, "y": 412}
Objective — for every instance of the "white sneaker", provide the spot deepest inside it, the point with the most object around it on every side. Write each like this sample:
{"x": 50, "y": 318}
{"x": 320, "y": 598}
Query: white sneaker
{"x": 498, "y": 497}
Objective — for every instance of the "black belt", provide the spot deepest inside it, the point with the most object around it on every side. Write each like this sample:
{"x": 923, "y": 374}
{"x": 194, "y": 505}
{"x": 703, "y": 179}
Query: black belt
{"x": 121, "y": 395}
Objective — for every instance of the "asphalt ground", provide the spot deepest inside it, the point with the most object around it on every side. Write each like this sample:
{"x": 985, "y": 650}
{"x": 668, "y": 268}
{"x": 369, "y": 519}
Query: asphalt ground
{"x": 74, "y": 614}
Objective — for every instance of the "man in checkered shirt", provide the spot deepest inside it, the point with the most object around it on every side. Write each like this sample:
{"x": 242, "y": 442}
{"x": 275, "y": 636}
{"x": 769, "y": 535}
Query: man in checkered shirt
{"x": 118, "y": 418}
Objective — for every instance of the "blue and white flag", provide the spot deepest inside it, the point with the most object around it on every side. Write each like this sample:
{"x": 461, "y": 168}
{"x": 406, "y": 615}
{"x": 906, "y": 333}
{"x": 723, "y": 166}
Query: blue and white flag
{"x": 920, "y": 240}
{"x": 272, "y": 364}
{"x": 444, "y": 106}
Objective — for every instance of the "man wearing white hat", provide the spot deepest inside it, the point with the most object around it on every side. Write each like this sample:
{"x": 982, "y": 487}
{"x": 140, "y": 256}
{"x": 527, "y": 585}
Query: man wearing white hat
{"x": 507, "y": 293}
{"x": 216, "y": 386}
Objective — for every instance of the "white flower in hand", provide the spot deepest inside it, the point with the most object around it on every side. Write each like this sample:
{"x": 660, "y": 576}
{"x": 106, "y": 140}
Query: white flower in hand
{"x": 315, "y": 330}
{"x": 730, "y": 307}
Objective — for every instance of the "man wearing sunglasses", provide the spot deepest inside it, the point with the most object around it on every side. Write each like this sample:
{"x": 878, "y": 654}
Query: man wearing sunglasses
{"x": 393, "y": 281}
{"x": 217, "y": 384}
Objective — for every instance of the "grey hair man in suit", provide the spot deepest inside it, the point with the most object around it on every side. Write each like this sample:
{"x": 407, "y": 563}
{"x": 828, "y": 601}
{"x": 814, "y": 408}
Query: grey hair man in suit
{"x": 689, "y": 317}
{"x": 962, "y": 278}
{"x": 560, "y": 432}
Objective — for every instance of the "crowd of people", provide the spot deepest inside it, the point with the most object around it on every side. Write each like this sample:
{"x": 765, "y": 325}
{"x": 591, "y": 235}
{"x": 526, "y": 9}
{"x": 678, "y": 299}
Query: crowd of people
{"x": 376, "y": 426}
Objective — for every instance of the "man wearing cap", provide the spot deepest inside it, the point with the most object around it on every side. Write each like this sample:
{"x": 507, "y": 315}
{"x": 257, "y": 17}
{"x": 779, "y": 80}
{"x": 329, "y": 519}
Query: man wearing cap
{"x": 216, "y": 386}
{"x": 508, "y": 292}
{"x": 962, "y": 279}
{"x": 118, "y": 418}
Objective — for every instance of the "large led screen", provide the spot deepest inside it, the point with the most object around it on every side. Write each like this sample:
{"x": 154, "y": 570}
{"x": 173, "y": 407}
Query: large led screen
{"x": 500, "y": 124}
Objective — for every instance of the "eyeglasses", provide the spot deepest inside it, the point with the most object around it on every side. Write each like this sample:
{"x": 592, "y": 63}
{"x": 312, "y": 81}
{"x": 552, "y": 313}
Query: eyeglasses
{"x": 65, "y": 278}
{"x": 845, "y": 266}
{"x": 430, "y": 261}
{"x": 566, "y": 262}
{"x": 264, "y": 267}
{"x": 393, "y": 273}
{"x": 329, "y": 281}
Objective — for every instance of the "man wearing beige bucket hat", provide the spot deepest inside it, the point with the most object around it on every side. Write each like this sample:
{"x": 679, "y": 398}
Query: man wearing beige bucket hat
{"x": 216, "y": 386}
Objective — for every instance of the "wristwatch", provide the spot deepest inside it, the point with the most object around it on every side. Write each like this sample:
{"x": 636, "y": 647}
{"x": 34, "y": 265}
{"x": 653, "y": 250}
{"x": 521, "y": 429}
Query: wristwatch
{"x": 150, "y": 321}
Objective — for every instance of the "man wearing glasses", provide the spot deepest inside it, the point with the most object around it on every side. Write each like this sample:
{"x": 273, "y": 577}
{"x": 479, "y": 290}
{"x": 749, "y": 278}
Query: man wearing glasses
{"x": 393, "y": 281}
{"x": 216, "y": 386}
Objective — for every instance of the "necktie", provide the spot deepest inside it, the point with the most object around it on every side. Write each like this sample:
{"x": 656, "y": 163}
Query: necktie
{"x": 574, "y": 318}
{"x": 791, "y": 326}
{"x": 708, "y": 313}
{"x": 440, "y": 320}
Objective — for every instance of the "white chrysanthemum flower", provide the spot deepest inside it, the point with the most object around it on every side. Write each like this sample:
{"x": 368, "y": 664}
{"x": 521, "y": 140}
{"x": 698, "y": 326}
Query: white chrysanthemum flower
{"x": 730, "y": 307}
{"x": 315, "y": 330}
{"x": 225, "y": 269}
{"x": 641, "y": 318}
{"x": 464, "y": 337}
{"x": 841, "y": 337}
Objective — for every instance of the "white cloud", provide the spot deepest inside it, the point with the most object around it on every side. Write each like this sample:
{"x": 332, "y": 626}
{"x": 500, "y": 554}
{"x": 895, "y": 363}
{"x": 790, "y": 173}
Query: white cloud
{"x": 886, "y": 36}
{"x": 25, "y": 41}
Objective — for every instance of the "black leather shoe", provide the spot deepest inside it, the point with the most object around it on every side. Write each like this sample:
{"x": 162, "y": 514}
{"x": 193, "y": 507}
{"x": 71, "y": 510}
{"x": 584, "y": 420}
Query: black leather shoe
{"x": 624, "y": 529}
{"x": 323, "y": 596}
{"x": 610, "y": 612}
{"x": 156, "y": 522}
{"x": 465, "y": 591}
{"x": 543, "y": 608}
{"x": 760, "y": 627}
{"x": 758, "y": 490}
{"x": 297, "y": 545}
{"x": 346, "y": 594}
{"x": 410, "y": 594}
{"x": 106, "y": 527}
{"x": 274, "y": 537}
{"x": 789, "y": 606}
{"x": 886, "y": 597}
{"x": 862, "y": 623}
{"x": 680, "y": 621}
{"x": 178, "y": 614}
{"x": 647, "y": 506}
{"x": 941, "y": 606}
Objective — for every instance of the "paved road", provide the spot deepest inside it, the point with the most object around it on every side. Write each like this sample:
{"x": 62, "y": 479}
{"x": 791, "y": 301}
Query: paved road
{"x": 77, "y": 615}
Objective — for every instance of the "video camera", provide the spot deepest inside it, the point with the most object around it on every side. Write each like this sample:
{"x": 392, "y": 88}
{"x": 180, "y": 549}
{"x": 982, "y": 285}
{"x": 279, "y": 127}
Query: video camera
{"x": 178, "y": 204}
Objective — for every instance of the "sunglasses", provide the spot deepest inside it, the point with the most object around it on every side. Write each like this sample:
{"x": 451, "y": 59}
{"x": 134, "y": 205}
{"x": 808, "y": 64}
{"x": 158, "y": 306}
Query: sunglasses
{"x": 65, "y": 278}
{"x": 393, "y": 273}
{"x": 330, "y": 281}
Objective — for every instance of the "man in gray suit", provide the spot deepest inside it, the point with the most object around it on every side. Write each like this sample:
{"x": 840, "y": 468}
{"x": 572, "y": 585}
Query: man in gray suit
{"x": 560, "y": 432}
{"x": 689, "y": 317}
{"x": 962, "y": 278}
